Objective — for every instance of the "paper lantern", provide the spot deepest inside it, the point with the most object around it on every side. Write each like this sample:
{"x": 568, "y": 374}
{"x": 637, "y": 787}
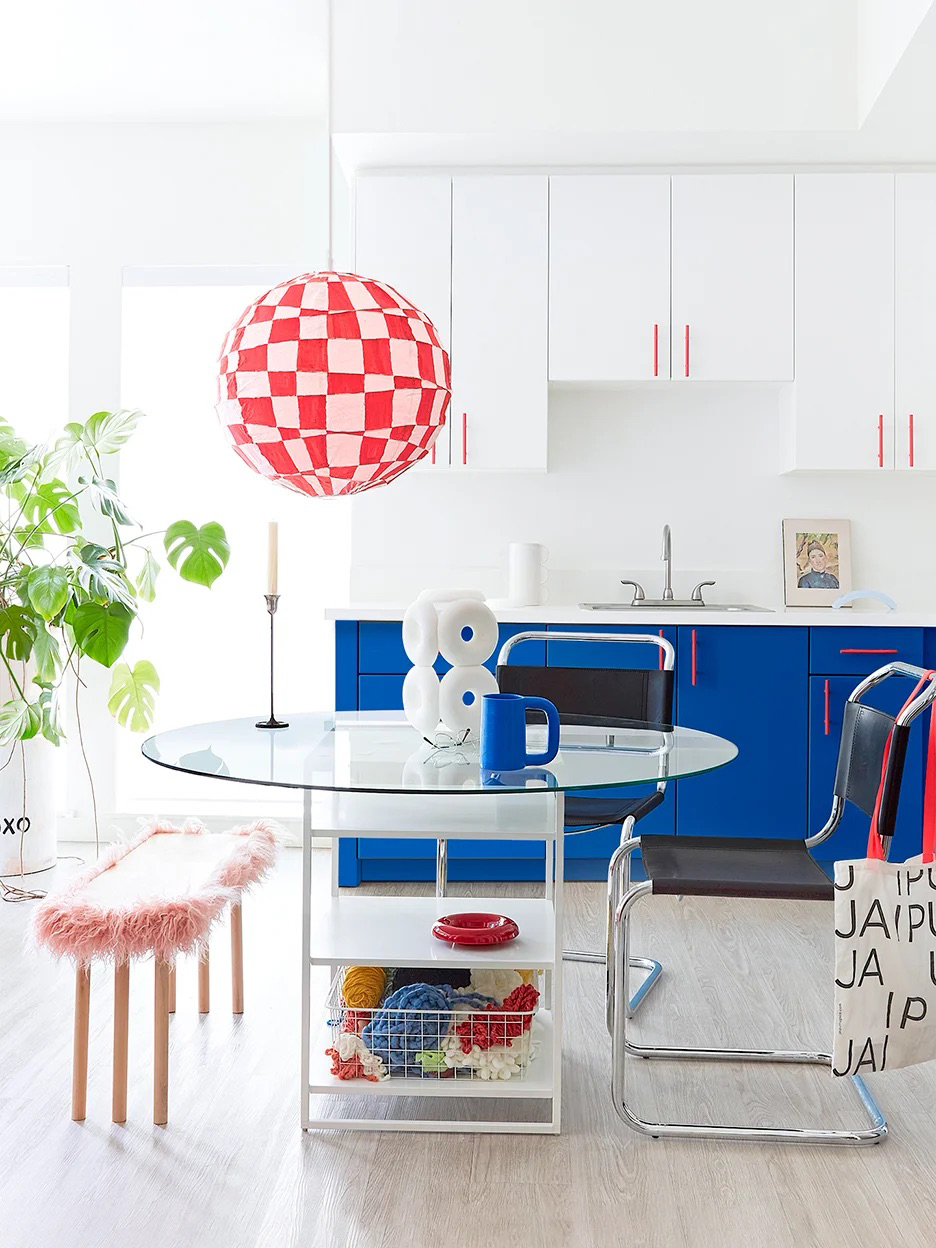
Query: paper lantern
{"x": 331, "y": 384}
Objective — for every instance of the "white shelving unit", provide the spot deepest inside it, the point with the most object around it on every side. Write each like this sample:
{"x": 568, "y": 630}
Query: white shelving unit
{"x": 397, "y": 931}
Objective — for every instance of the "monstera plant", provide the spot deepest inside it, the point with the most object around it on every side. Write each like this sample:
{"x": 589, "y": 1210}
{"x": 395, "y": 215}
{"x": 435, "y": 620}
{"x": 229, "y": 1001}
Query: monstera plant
{"x": 75, "y": 572}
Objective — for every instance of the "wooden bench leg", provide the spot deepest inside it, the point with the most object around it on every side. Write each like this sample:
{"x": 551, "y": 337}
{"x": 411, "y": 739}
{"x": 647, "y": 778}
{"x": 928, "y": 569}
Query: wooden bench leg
{"x": 237, "y": 958}
{"x": 204, "y": 995}
{"x": 80, "y": 1050}
{"x": 172, "y": 987}
{"x": 161, "y": 1046}
{"x": 121, "y": 1040}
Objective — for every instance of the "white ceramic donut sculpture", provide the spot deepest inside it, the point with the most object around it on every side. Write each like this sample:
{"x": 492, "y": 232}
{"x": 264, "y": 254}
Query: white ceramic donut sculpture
{"x": 421, "y": 633}
{"x": 462, "y": 626}
{"x": 421, "y": 699}
{"x": 460, "y": 695}
{"x": 471, "y": 617}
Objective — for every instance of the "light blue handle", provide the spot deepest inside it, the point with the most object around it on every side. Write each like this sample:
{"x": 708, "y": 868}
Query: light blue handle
{"x": 552, "y": 733}
{"x": 854, "y": 594}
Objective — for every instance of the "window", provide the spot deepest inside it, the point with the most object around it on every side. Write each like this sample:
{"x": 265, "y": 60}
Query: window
{"x": 210, "y": 647}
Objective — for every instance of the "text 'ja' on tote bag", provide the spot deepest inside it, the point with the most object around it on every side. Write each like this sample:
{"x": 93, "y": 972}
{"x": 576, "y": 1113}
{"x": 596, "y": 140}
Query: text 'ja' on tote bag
{"x": 885, "y": 946}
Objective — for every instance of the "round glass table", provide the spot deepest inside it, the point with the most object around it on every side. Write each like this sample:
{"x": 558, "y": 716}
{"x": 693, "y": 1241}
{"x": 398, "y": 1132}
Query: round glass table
{"x": 368, "y": 774}
{"x": 379, "y": 752}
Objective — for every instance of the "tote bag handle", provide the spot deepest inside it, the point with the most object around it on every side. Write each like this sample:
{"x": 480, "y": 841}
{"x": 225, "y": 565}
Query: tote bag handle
{"x": 875, "y": 844}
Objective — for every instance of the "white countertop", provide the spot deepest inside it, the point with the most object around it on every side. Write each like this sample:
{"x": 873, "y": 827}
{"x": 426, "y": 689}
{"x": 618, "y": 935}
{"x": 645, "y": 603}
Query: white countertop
{"x": 557, "y": 613}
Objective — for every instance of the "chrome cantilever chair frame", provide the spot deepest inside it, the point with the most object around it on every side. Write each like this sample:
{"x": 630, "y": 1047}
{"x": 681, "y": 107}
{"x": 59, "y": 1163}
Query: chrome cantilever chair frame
{"x": 619, "y": 868}
{"x": 622, "y": 1047}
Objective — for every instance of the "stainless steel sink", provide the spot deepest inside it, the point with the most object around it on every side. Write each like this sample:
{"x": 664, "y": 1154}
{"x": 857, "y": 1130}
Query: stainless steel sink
{"x": 673, "y": 604}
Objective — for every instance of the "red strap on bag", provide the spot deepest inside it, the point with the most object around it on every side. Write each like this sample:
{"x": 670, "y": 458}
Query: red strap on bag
{"x": 875, "y": 844}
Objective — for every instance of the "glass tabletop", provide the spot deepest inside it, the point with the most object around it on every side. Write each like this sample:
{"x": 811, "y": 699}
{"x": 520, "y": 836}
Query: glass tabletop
{"x": 379, "y": 752}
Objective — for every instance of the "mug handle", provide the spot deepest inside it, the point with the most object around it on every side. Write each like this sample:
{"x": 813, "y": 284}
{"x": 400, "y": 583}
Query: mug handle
{"x": 552, "y": 735}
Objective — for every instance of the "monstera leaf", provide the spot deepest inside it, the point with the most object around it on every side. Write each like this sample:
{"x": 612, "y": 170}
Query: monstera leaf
{"x": 132, "y": 698}
{"x": 198, "y": 555}
{"x": 101, "y": 630}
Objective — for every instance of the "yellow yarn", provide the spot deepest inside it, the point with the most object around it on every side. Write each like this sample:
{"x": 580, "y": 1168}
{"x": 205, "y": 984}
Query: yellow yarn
{"x": 527, "y": 976}
{"x": 363, "y": 986}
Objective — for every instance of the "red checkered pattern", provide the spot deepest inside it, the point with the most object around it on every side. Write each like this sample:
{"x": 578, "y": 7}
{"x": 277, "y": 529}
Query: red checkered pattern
{"x": 332, "y": 384}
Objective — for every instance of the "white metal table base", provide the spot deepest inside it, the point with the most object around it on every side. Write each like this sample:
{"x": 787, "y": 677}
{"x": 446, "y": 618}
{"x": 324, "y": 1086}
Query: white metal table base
{"x": 553, "y": 998}
{"x": 622, "y": 1048}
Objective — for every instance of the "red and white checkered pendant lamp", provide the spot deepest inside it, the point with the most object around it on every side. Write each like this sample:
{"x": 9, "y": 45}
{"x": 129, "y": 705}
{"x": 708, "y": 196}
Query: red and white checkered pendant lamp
{"x": 331, "y": 384}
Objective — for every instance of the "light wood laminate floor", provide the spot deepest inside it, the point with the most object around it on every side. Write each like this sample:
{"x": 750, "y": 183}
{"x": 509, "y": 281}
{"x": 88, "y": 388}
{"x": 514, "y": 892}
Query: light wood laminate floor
{"x": 233, "y": 1170}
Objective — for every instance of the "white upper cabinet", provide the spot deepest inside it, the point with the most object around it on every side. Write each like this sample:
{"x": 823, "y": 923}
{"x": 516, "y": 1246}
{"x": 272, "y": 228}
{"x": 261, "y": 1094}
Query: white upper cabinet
{"x": 500, "y": 259}
{"x": 915, "y": 337}
{"x": 403, "y": 236}
{"x": 732, "y": 256}
{"x": 609, "y": 278}
{"x": 844, "y": 393}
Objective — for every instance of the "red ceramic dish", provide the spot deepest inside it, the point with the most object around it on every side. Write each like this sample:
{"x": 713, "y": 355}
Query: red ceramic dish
{"x": 475, "y": 929}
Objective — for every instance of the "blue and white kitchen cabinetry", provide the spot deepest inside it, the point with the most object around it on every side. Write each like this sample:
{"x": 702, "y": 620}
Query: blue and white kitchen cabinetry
{"x": 777, "y": 691}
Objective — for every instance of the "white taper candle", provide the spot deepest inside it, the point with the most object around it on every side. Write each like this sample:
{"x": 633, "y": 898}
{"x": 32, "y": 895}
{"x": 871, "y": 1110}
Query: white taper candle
{"x": 272, "y": 558}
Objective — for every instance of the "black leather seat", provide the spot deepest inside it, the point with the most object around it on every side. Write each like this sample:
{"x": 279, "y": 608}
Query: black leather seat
{"x": 600, "y": 812}
{"x": 731, "y": 866}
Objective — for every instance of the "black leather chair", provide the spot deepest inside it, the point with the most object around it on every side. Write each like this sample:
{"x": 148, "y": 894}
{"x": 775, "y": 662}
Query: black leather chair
{"x": 606, "y": 697}
{"x": 756, "y": 867}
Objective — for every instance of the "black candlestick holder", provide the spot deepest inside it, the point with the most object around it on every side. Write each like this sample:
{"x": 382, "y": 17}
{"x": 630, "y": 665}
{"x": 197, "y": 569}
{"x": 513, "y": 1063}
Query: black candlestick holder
{"x": 272, "y": 601}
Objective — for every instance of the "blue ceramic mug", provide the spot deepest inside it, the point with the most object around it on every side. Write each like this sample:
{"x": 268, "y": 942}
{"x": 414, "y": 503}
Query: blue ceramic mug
{"x": 503, "y": 732}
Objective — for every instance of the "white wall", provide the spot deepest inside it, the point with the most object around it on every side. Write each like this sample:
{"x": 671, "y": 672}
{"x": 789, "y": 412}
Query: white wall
{"x": 417, "y": 66}
{"x": 623, "y": 463}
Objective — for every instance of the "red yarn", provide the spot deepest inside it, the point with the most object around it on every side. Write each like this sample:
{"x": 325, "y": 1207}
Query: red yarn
{"x": 500, "y": 1026}
{"x": 356, "y": 1020}
{"x": 349, "y": 1068}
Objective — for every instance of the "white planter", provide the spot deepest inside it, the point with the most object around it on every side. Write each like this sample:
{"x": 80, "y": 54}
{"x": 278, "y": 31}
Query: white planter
{"x": 28, "y": 831}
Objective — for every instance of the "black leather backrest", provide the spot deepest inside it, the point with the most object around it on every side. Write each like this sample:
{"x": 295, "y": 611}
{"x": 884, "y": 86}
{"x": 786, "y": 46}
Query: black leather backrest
{"x": 602, "y": 692}
{"x": 861, "y": 756}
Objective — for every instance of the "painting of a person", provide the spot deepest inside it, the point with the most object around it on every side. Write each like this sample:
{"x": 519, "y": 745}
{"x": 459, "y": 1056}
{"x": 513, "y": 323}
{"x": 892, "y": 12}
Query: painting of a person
{"x": 817, "y": 577}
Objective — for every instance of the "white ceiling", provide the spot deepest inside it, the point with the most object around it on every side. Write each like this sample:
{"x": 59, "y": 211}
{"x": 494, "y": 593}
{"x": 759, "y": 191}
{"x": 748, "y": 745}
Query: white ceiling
{"x": 126, "y": 60}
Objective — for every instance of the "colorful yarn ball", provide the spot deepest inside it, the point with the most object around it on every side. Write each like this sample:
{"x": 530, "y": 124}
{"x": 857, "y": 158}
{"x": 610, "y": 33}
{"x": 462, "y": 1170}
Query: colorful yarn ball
{"x": 500, "y": 1061}
{"x": 352, "y": 1059}
{"x": 501, "y": 1026}
{"x": 433, "y": 1063}
{"x": 363, "y": 987}
{"x": 415, "y": 1019}
{"x": 495, "y": 983}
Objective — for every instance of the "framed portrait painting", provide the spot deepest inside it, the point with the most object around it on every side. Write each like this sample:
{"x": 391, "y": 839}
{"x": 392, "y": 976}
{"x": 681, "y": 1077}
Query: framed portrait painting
{"x": 816, "y": 562}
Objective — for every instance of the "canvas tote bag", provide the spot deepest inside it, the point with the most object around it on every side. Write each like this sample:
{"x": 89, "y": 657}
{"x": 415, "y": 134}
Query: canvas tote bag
{"x": 885, "y": 946}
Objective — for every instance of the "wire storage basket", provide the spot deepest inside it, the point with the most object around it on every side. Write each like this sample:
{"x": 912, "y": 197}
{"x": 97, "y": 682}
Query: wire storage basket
{"x": 429, "y": 1031}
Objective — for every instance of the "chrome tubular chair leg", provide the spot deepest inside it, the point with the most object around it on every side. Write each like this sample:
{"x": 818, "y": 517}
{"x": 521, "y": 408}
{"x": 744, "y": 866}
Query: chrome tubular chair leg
{"x": 618, "y": 883}
{"x": 622, "y": 1048}
{"x": 441, "y": 868}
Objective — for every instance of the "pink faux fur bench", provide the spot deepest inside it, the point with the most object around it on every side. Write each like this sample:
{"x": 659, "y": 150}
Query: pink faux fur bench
{"x": 157, "y": 897}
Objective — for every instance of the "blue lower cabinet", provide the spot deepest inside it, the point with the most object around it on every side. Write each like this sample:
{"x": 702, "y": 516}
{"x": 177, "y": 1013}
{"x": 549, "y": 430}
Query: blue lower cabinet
{"x": 827, "y": 697}
{"x": 617, "y": 654}
{"x": 748, "y": 683}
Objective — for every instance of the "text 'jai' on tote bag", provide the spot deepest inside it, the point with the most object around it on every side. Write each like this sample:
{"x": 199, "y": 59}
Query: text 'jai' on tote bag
{"x": 885, "y": 945}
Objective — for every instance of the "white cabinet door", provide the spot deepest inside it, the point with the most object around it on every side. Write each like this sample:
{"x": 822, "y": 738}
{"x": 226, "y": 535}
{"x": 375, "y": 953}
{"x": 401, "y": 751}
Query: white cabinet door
{"x": 499, "y": 322}
{"x": 844, "y": 393}
{"x": 732, "y": 277}
{"x": 403, "y": 236}
{"x": 915, "y": 338}
{"x": 609, "y": 278}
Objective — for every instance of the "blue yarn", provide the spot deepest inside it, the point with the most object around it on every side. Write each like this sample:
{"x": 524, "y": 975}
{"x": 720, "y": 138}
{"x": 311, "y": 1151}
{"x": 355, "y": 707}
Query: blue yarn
{"x": 395, "y": 1035}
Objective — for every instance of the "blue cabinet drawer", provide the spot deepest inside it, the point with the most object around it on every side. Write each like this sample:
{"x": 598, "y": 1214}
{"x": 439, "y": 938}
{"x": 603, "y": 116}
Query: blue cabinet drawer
{"x": 380, "y": 693}
{"x": 856, "y": 651}
{"x": 380, "y": 648}
{"x": 617, "y": 654}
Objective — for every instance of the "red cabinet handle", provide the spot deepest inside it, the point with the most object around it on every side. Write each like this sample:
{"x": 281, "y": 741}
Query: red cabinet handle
{"x": 656, "y": 357}
{"x": 464, "y": 437}
{"x": 867, "y": 652}
{"x": 826, "y": 708}
{"x": 661, "y": 653}
{"x": 881, "y": 441}
{"x": 687, "y": 350}
{"x": 694, "y": 655}
{"x": 432, "y": 460}
{"x": 910, "y": 449}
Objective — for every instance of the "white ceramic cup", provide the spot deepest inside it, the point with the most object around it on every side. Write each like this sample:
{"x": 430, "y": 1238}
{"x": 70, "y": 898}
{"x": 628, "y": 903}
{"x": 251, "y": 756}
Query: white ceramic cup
{"x": 527, "y": 573}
